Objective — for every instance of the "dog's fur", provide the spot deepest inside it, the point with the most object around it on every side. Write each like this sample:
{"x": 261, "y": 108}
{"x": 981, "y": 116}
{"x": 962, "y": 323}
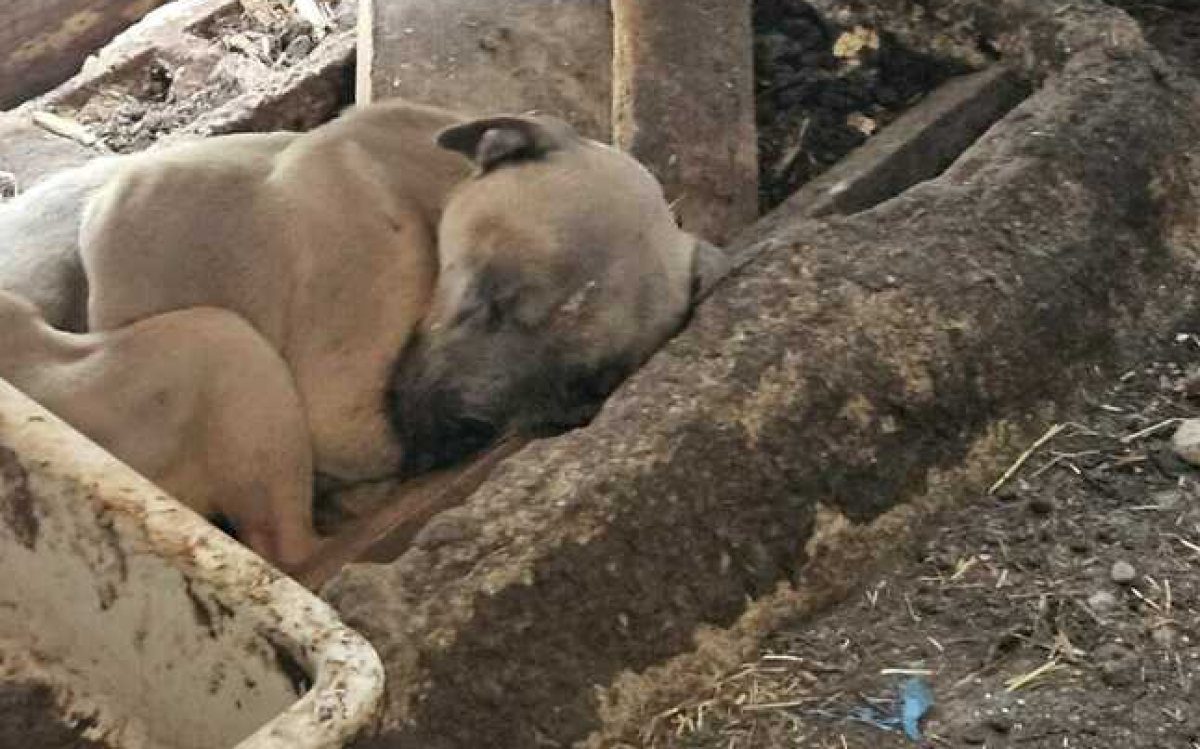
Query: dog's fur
{"x": 216, "y": 423}
{"x": 430, "y": 281}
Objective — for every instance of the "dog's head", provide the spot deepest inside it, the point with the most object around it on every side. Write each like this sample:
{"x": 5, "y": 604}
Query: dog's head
{"x": 561, "y": 270}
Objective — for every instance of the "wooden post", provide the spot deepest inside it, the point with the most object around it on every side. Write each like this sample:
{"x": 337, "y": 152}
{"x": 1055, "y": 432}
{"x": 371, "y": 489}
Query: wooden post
{"x": 683, "y": 104}
{"x": 45, "y": 42}
{"x": 483, "y": 57}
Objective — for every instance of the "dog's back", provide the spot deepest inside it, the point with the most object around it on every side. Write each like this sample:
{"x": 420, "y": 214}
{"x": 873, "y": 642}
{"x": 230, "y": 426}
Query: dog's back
{"x": 39, "y": 242}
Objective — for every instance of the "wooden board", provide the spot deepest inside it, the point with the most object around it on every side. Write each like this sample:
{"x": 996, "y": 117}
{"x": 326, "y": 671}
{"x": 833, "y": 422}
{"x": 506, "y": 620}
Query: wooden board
{"x": 683, "y": 82}
{"x": 385, "y": 531}
{"x": 482, "y": 57}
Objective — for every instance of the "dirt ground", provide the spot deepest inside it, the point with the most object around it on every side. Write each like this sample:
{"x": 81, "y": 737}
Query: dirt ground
{"x": 1061, "y": 611}
{"x": 29, "y": 717}
{"x": 823, "y": 91}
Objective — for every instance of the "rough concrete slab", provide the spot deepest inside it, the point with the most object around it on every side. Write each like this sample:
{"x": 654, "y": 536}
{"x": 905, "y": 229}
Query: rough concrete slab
{"x": 683, "y": 104}
{"x": 298, "y": 99}
{"x": 178, "y": 42}
{"x": 45, "y": 42}
{"x": 838, "y": 373}
{"x": 918, "y": 146}
{"x": 163, "y": 32}
{"x": 552, "y": 55}
{"x": 31, "y": 153}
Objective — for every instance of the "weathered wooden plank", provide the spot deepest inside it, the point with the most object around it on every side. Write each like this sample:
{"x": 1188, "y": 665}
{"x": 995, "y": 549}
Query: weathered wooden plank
{"x": 396, "y": 512}
{"x": 45, "y": 42}
{"x": 552, "y": 55}
{"x": 684, "y": 105}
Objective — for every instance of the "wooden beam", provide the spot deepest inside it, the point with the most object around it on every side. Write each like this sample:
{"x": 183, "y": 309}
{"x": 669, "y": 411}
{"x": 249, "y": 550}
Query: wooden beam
{"x": 551, "y": 55}
{"x": 384, "y": 531}
{"x": 684, "y": 106}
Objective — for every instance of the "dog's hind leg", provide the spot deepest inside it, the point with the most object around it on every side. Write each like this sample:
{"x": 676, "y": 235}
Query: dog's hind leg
{"x": 256, "y": 439}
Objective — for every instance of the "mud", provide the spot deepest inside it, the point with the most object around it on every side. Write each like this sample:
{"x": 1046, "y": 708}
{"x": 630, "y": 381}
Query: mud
{"x": 814, "y": 106}
{"x": 30, "y": 718}
{"x": 17, "y": 510}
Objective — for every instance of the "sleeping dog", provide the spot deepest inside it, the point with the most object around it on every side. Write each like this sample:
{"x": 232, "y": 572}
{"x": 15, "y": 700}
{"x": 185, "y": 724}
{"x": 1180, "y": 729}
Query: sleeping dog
{"x": 430, "y": 281}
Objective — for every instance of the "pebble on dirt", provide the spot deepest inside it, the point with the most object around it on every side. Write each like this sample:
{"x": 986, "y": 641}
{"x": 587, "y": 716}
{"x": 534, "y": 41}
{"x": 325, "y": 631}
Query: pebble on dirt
{"x": 1123, "y": 573}
{"x": 1101, "y": 601}
{"x": 1186, "y": 442}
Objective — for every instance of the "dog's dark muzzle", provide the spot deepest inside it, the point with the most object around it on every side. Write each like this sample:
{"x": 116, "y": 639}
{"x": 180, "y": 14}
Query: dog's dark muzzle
{"x": 450, "y": 442}
{"x": 436, "y": 430}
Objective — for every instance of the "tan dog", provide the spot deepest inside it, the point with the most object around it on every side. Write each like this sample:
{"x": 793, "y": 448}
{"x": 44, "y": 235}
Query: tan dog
{"x": 522, "y": 282}
{"x": 215, "y": 422}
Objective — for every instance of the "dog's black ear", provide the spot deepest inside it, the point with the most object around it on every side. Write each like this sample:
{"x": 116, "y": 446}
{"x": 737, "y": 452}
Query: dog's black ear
{"x": 496, "y": 140}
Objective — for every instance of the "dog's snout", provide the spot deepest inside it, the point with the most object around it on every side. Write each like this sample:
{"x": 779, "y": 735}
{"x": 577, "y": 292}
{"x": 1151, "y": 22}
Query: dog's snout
{"x": 469, "y": 435}
{"x": 441, "y": 437}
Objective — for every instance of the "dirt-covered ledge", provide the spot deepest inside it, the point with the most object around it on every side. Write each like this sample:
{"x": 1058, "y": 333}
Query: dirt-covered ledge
{"x": 845, "y": 365}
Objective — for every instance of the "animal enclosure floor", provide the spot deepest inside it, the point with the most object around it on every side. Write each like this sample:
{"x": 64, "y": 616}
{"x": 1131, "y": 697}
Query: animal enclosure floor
{"x": 823, "y": 91}
{"x": 1061, "y": 611}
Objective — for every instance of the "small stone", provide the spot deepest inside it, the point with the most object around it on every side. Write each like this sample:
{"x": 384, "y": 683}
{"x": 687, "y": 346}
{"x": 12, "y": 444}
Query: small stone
{"x": 1041, "y": 505}
{"x": 1102, "y": 601}
{"x": 1186, "y": 441}
{"x": 8, "y": 185}
{"x": 1123, "y": 573}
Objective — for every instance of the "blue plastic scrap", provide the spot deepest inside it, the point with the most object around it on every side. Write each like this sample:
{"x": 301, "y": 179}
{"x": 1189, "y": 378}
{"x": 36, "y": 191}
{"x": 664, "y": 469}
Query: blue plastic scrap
{"x": 915, "y": 700}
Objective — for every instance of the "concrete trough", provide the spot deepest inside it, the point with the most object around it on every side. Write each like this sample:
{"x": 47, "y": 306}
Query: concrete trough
{"x": 851, "y": 368}
{"x": 129, "y": 622}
